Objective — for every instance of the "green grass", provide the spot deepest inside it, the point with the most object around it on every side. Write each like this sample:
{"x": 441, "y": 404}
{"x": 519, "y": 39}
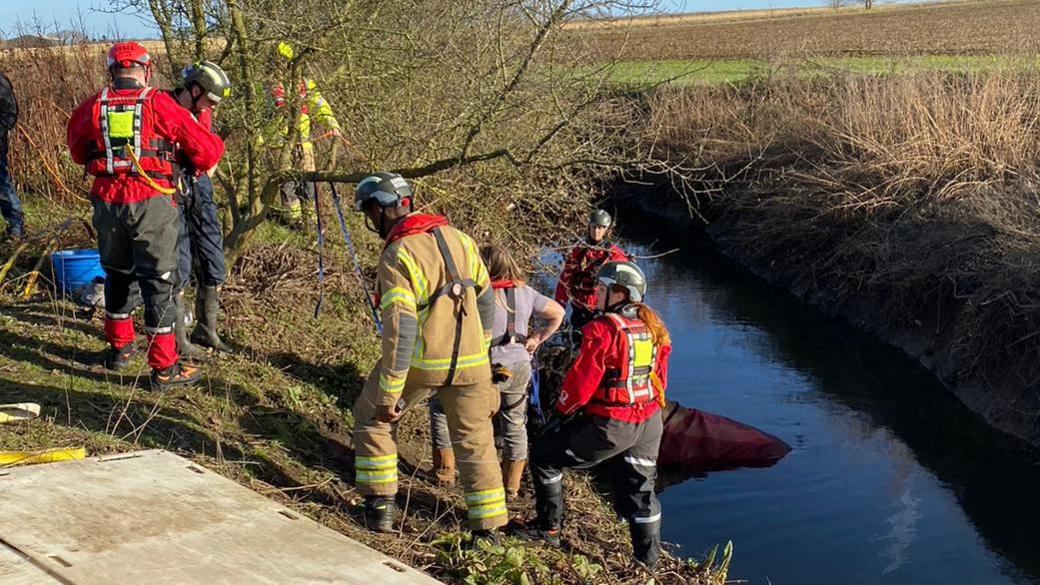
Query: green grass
{"x": 711, "y": 72}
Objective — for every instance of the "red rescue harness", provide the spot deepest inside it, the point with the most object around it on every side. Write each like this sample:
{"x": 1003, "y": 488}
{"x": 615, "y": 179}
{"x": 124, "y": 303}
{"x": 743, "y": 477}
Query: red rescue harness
{"x": 121, "y": 125}
{"x": 631, "y": 383}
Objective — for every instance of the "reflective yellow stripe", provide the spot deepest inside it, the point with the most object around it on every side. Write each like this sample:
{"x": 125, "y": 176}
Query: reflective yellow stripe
{"x": 485, "y": 495}
{"x": 377, "y": 462}
{"x": 422, "y": 288}
{"x": 435, "y": 365}
{"x": 397, "y": 295}
{"x": 476, "y": 267}
{"x": 481, "y": 512}
{"x": 391, "y": 385}
{"x": 386, "y": 476}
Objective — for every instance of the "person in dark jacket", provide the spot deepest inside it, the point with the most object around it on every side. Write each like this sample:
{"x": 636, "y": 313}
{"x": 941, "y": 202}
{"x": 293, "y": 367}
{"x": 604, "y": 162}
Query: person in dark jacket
{"x": 201, "y": 247}
{"x": 10, "y": 205}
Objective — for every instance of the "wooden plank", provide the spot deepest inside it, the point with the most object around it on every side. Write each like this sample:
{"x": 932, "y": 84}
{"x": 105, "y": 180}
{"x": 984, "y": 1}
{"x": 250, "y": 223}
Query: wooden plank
{"x": 153, "y": 517}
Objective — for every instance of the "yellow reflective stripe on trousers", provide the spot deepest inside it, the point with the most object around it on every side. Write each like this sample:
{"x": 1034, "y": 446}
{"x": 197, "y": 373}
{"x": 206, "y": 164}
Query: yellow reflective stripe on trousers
{"x": 377, "y": 462}
{"x": 485, "y": 495}
{"x": 378, "y": 469}
{"x": 390, "y": 385}
{"x": 386, "y": 476}
{"x": 486, "y": 503}
{"x": 397, "y": 295}
{"x": 466, "y": 361}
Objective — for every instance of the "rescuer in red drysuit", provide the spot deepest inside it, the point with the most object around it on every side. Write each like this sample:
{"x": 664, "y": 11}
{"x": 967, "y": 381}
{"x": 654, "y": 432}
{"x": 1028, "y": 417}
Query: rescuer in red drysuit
{"x": 578, "y": 279}
{"x": 129, "y": 136}
{"x": 613, "y": 392}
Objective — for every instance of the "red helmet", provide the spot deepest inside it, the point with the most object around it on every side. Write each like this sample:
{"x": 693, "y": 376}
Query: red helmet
{"x": 126, "y": 54}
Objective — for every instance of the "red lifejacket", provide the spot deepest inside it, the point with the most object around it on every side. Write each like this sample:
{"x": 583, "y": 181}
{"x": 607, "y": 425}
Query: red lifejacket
{"x": 126, "y": 121}
{"x": 630, "y": 384}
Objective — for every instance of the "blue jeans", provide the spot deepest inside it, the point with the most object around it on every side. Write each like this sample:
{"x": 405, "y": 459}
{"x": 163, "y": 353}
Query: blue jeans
{"x": 10, "y": 205}
{"x": 201, "y": 246}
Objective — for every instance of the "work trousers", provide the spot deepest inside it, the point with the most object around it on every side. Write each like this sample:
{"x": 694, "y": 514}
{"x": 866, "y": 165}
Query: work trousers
{"x": 625, "y": 452}
{"x": 468, "y": 410}
{"x": 10, "y": 205}
{"x": 138, "y": 246}
{"x": 293, "y": 191}
{"x": 510, "y": 422}
{"x": 201, "y": 239}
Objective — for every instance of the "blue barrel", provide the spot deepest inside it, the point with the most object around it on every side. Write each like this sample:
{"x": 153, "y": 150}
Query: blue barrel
{"x": 75, "y": 268}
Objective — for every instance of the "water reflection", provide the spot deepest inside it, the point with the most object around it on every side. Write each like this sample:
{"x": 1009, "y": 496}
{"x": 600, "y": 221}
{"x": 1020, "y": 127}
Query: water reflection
{"x": 891, "y": 480}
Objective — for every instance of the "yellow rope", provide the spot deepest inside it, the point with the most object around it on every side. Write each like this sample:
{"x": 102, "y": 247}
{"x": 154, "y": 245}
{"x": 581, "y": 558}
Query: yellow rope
{"x": 144, "y": 174}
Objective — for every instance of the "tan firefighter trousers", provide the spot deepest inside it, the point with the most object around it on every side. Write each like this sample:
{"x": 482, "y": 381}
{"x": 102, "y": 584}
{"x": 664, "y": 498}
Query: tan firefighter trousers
{"x": 469, "y": 410}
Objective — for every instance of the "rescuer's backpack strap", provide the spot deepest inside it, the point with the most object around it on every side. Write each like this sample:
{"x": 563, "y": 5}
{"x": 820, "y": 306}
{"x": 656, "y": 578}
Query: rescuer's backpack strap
{"x": 456, "y": 289}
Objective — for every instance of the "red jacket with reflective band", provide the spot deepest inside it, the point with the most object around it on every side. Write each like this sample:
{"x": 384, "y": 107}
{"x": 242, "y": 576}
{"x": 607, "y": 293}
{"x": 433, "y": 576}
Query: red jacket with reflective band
{"x": 162, "y": 119}
{"x": 578, "y": 279}
{"x": 604, "y": 349}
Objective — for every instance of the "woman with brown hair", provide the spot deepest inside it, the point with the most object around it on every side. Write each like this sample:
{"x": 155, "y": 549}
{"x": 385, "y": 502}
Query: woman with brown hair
{"x": 611, "y": 401}
{"x": 512, "y": 345}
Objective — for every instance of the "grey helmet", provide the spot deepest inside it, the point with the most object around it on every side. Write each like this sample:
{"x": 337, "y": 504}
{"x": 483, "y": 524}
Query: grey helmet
{"x": 600, "y": 218}
{"x": 625, "y": 274}
{"x": 387, "y": 189}
{"x": 210, "y": 77}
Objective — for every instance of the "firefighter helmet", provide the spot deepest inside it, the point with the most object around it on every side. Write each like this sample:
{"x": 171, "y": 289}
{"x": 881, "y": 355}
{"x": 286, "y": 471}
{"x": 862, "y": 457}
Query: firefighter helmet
{"x": 627, "y": 275}
{"x": 386, "y": 189}
{"x": 210, "y": 77}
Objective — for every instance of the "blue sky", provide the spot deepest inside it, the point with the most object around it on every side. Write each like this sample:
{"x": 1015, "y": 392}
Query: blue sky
{"x": 64, "y": 13}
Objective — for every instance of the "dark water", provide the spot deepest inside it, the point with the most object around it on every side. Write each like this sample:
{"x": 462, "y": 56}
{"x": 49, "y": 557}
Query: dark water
{"x": 890, "y": 479}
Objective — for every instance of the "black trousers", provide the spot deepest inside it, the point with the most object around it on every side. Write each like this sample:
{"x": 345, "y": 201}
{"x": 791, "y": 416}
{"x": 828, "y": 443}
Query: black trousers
{"x": 138, "y": 247}
{"x": 201, "y": 246}
{"x": 624, "y": 452}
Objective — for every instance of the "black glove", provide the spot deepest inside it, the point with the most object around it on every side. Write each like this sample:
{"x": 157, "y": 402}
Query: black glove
{"x": 500, "y": 373}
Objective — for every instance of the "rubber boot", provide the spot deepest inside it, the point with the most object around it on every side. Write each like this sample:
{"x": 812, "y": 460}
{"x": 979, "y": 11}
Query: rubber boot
{"x": 646, "y": 542}
{"x": 444, "y": 466}
{"x": 207, "y": 311}
{"x": 379, "y": 513}
{"x": 185, "y": 348}
{"x": 512, "y": 474}
{"x": 176, "y": 376}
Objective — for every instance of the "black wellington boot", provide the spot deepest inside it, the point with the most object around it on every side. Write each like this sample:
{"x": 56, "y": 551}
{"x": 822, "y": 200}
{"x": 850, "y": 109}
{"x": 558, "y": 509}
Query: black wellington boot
{"x": 185, "y": 348}
{"x": 207, "y": 311}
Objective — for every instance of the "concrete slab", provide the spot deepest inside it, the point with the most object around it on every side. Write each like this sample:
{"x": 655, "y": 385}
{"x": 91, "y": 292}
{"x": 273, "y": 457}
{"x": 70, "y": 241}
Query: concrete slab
{"x": 18, "y": 570}
{"x": 154, "y": 517}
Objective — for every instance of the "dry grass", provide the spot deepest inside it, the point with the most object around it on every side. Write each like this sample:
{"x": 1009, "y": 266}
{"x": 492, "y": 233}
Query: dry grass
{"x": 967, "y": 28}
{"x": 914, "y": 196}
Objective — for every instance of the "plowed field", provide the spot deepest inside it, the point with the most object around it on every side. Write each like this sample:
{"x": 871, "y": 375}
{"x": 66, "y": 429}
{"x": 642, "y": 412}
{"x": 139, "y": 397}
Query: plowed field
{"x": 968, "y": 28}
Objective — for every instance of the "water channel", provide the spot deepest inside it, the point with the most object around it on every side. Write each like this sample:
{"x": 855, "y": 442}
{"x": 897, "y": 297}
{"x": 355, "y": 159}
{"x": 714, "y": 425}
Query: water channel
{"x": 890, "y": 479}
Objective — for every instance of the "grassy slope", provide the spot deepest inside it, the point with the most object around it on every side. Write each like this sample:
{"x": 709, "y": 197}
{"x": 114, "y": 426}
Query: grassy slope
{"x": 276, "y": 416}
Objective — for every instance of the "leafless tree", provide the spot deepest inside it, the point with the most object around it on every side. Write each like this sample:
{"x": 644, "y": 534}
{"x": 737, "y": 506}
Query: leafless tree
{"x": 491, "y": 105}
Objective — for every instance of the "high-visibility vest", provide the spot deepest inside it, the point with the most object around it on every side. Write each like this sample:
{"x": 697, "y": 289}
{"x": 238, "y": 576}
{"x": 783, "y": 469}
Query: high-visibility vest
{"x": 631, "y": 383}
{"x": 122, "y": 124}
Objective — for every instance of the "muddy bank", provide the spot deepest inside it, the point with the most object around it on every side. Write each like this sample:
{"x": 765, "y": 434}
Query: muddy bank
{"x": 926, "y": 337}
